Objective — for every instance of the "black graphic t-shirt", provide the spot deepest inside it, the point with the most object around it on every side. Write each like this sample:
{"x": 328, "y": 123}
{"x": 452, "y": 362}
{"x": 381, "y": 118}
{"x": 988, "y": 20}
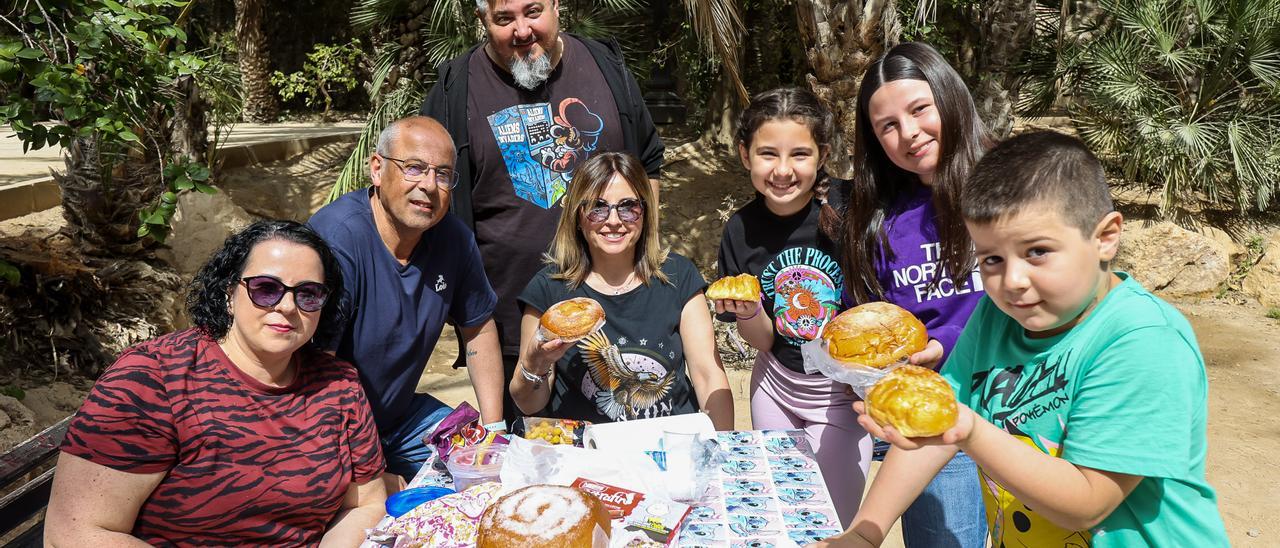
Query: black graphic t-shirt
{"x": 798, "y": 269}
{"x": 633, "y": 368}
{"x": 526, "y": 146}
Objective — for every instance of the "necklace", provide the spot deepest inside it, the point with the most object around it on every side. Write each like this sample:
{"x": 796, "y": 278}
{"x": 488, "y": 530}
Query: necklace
{"x": 616, "y": 289}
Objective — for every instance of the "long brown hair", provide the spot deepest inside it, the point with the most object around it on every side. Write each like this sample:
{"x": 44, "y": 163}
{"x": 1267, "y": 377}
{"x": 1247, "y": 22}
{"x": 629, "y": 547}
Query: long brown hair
{"x": 878, "y": 184}
{"x": 803, "y": 107}
{"x": 569, "y": 253}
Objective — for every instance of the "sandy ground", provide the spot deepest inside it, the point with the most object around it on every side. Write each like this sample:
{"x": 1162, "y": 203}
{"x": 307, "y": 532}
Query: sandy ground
{"x": 700, "y": 190}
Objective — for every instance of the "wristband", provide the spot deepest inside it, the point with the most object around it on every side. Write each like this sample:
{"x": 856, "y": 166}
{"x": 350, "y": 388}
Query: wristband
{"x": 753, "y": 314}
{"x": 500, "y": 425}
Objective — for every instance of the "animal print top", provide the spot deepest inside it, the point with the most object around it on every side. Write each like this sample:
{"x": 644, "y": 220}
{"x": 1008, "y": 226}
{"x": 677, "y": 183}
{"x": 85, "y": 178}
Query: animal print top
{"x": 244, "y": 463}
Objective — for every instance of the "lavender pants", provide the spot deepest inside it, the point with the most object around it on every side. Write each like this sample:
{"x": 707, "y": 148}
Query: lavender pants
{"x": 784, "y": 399}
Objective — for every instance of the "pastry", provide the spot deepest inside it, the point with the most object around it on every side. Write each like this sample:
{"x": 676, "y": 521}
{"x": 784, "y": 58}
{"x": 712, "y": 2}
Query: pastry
{"x": 545, "y": 516}
{"x": 915, "y": 400}
{"x": 743, "y": 287}
{"x": 875, "y": 335}
{"x": 572, "y": 319}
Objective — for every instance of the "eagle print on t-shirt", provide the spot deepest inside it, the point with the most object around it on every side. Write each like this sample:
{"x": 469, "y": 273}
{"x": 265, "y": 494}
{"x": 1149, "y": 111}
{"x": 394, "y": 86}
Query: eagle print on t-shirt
{"x": 625, "y": 386}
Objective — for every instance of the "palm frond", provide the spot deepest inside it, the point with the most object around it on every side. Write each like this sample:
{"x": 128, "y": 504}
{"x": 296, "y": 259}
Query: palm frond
{"x": 718, "y": 25}
{"x": 367, "y": 14}
{"x": 401, "y": 102}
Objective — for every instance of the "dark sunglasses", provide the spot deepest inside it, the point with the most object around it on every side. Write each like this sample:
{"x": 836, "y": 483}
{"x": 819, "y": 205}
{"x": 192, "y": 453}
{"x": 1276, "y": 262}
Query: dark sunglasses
{"x": 629, "y": 210}
{"x": 266, "y": 291}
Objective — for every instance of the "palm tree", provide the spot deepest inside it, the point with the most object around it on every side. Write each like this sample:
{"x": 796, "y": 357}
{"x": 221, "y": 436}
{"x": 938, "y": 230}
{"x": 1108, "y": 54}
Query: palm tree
{"x": 260, "y": 103}
{"x": 1183, "y": 97}
{"x": 844, "y": 38}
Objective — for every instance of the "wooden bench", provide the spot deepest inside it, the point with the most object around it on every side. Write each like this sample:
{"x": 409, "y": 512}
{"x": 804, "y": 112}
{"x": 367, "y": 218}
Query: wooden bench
{"x": 27, "y": 498}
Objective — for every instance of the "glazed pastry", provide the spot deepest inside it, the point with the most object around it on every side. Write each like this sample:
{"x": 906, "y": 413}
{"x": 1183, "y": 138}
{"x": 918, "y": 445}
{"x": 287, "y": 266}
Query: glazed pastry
{"x": 743, "y": 287}
{"x": 915, "y": 400}
{"x": 545, "y": 516}
{"x": 572, "y": 319}
{"x": 875, "y": 335}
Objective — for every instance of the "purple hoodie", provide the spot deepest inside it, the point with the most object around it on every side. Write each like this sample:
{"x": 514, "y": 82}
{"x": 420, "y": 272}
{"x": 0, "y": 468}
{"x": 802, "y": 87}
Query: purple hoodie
{"x": 906, "y": 278}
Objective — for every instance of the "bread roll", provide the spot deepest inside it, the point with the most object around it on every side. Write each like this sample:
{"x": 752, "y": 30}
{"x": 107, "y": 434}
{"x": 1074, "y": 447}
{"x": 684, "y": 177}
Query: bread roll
{"x": 915, "y": 400}
{"x": 544, "y": 516}
{"x": 875, "y": 335}
{"x": 743, "y": 287}
{"x": 572, "y": 319}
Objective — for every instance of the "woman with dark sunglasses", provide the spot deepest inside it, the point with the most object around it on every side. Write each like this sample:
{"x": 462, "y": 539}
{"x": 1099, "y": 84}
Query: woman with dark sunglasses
{"x": 656, "y": 354}
{"x": 237, "y": 431}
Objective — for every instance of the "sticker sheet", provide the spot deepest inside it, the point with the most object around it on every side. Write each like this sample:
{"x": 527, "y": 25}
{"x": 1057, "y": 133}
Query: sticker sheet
{"x": 770, "y": 493}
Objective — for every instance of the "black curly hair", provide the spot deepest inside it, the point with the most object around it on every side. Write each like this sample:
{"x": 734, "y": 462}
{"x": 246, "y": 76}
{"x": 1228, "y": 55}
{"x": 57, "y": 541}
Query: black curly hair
{"x": 207, "y": 298}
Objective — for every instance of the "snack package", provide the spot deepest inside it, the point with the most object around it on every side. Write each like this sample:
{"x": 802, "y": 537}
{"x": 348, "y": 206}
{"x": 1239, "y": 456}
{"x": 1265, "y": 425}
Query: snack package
{"x": 555, "y": 431}
{"x": 449, "y": 521}
{"x": 460, "y": 429}
{"x": 657, "y": 516}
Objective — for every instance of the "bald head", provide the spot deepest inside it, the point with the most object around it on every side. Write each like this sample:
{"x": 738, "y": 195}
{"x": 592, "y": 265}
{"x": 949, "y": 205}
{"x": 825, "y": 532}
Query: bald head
{"x": 418, "y": 129}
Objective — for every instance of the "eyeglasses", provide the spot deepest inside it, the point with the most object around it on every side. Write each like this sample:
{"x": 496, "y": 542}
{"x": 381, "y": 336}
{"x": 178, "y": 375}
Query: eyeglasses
{"x": 414, "y": 171}
{"x": 629, "y": 210}
{"x": 267, "y": 291}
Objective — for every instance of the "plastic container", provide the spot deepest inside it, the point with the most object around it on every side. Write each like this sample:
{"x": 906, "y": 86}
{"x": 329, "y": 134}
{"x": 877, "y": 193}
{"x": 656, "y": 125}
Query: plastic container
{"x": 475, "y": 464}
{"x": 402, "y": 502}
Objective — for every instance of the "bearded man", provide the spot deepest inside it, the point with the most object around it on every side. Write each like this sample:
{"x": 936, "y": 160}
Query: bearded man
{"x": 525, "y": 107}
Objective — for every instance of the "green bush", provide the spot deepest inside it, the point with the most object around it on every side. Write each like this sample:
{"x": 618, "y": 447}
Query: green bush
{"x": 1183, "y": 96}
{"x": 328, "y": 71}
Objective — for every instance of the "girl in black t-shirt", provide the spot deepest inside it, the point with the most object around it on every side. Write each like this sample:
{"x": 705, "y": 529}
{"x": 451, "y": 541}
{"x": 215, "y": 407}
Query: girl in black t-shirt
{"x": 656, "y": 354}
{"x": 784, "y": 238}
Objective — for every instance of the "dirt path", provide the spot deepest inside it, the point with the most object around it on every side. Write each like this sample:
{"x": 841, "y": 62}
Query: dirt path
{"x": 700, "y": 190}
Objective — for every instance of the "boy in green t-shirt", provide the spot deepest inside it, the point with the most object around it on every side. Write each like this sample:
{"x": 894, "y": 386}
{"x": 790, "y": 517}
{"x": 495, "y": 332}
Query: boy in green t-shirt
{"x": 1083, "y": 396}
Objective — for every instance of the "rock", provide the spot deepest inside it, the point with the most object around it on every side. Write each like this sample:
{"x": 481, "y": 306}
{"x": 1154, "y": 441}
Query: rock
{"x": 202, "y": 223}
{"x": 15, "y": 415}
{"x": 1254, "y": 533}
{"x": 1172, "y": 261}
{"x": 1236, "y": 250}
{"x": 1263, "y": 280}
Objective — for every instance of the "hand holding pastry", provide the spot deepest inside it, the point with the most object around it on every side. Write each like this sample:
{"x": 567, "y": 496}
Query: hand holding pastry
{"x": 930, "y": 357}
{"x": 959, "y": 435}
{"x": 876, "y": 334}
{"x": 572, "y": 319}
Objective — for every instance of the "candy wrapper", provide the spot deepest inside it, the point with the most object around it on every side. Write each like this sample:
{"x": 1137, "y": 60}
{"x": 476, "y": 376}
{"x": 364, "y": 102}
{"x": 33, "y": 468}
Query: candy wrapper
{"x": 460, "y": 429}
{"x": 861, "y": 377}
{"x": 450, "y": 521}
{"x": 555, "y": 431}
{"x": 657, "y": 516}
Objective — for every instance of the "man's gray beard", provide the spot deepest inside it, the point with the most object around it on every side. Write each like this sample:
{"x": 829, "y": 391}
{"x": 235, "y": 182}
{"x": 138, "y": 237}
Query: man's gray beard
{"x": 531, "y": 74}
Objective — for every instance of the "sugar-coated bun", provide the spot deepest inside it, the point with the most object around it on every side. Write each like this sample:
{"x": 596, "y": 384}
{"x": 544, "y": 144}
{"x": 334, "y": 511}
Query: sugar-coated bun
{"x": 573, "y": 318}
{"x": 874, "y": 334}
{"x": 544, "y": 516}
{"x": 743, "y": 287}
{"x": 915, "y": 400}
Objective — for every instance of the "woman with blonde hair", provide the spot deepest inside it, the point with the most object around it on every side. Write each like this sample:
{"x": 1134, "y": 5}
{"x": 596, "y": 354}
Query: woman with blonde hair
{"x": 656, "y": 354}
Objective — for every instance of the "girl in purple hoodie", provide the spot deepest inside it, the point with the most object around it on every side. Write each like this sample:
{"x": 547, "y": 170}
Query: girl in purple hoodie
{"x": 917, "y": 137}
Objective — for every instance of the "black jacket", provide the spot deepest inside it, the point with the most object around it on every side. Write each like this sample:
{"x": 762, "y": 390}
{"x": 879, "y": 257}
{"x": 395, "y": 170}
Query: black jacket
{"x": 447, "y": 103}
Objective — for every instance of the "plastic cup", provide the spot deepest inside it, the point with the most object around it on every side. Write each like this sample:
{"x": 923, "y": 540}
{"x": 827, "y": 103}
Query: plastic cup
{"x": 475, "y": 464}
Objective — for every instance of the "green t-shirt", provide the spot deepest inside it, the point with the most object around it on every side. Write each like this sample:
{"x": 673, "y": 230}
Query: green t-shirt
{"x": 1125, "y": 391}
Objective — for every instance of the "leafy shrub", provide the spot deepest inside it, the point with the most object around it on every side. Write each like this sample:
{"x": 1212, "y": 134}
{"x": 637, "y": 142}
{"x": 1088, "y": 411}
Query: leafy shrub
{"x": 1183, "y": 96}
{"x": 329, "y": 71}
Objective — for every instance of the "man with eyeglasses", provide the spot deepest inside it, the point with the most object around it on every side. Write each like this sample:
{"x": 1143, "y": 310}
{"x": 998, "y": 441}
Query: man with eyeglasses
{"x": 525, "y": 107}
{"x": 409, "y": 267}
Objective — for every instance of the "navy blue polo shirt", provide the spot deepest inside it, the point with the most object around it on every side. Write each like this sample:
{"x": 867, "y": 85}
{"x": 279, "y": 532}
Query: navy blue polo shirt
{"x": 395, "y": 312}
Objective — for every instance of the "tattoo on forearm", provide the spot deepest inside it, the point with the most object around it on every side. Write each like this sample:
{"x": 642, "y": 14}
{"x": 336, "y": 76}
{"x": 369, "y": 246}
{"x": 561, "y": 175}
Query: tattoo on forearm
{"x": 470, "y": 354}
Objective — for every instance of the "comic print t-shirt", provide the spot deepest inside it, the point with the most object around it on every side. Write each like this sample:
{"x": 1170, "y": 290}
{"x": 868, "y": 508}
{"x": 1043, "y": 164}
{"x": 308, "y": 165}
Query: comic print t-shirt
{"x": 633, "y": 368}
{"x": 526, "y": 146}
{"x": 1124, "y": 391}
{"x": 798, "y": 271}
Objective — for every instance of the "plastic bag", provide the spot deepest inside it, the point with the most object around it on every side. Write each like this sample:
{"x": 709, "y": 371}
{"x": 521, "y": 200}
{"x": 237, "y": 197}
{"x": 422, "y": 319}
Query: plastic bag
{"x": 460, "y": 429}
{"x": 861, "y": 377}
